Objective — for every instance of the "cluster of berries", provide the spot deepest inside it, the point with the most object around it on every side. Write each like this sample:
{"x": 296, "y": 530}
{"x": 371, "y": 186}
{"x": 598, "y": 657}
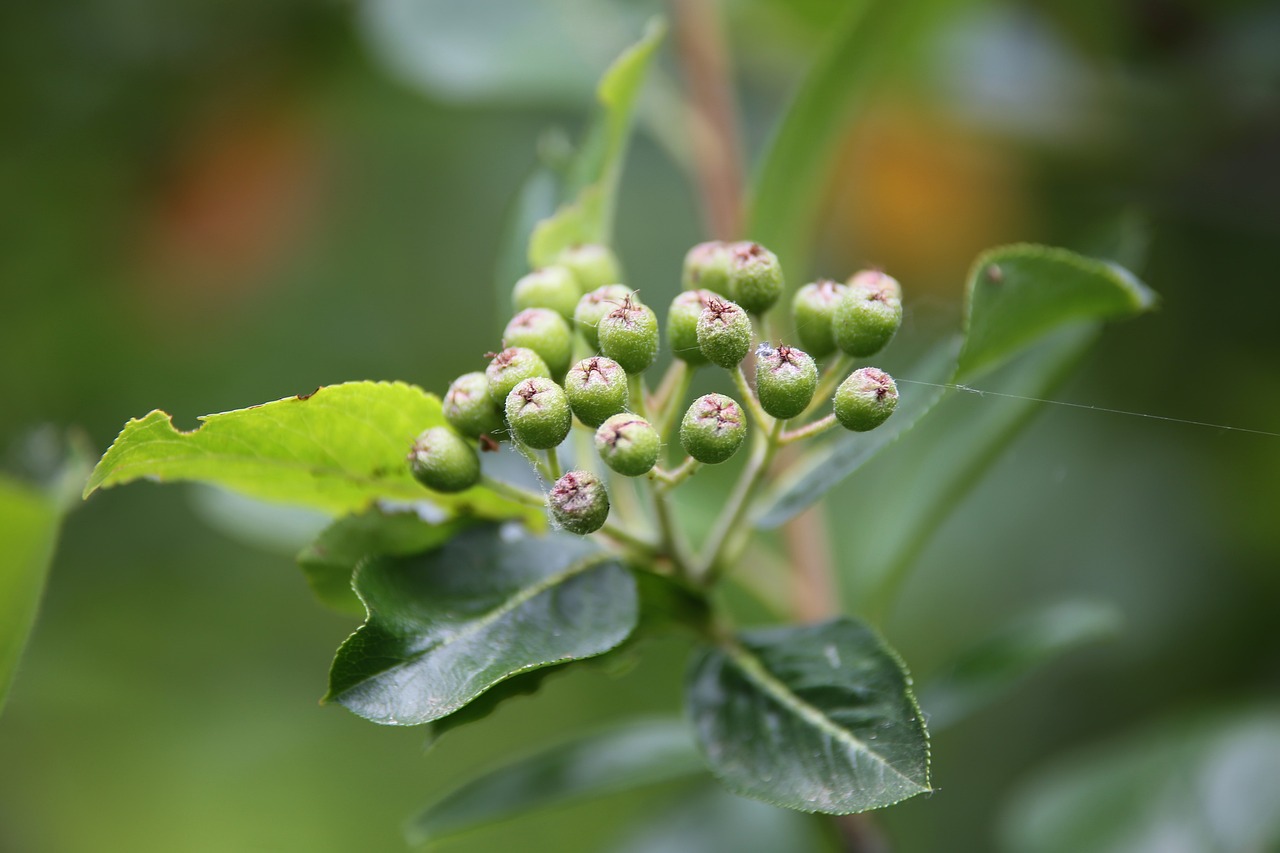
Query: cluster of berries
{"x": 533, "y": 389}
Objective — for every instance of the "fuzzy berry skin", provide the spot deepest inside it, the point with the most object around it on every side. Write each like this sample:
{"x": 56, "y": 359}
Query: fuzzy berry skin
{"x": 785, "y": 380}
{"x": 546, "y": 333}
{"x": 867, "y": 316}
{"x": 551, "y": 287}
{"x": 469, "y": 409}
{"x": 724, "y": 333}
{"x": 629, "y": 336}
{"x": 877, "y": 280}
{"x": 593, "y": 266}
{"x": 538, "y": 413}
{"x": 595, "y": 306}
{"x": 628, "y": 444}
{"x": 813, "y": 309}
{"x": 511, "y": 367}
{"x": 443, "y": 461}
{"x": 596, "y": 388}
{"x": 682, "y": 325}
{"x": 579, "y": 502}
{"x": 865, "y": 399}
{"x": 706, "y": 267}
{"x": 755, "y": 277}
{"x": 713, "y": 429}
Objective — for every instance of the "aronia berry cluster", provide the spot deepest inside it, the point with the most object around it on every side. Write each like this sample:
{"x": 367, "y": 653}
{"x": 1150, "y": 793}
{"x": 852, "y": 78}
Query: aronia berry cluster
{"x": 580, "y": 342}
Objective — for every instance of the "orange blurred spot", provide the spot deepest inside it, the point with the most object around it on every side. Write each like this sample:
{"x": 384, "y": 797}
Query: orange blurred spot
{"x": 920, "y": 196}
{"x": 237, "y": 195}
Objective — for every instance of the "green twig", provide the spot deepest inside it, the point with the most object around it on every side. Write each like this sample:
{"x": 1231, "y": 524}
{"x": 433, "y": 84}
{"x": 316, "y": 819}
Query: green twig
{"x": 731, "y": 515}
{"x": 809, "y": 430}
{"x": 749, "y": 398}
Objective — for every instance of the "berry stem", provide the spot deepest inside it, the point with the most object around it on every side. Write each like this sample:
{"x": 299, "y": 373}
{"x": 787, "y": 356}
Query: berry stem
{"x": 712, "y": 564}
{"x": 668, "y": 480}
{"x": 553, "y": 464}
{"x": 539, "y": 465}
{"x": 674, "y": 388}
{"x": 831, "y": 377}
{"x": 809, "y": 430}
{"x": 749, "y": 396}
{"x": 635, "y": 390}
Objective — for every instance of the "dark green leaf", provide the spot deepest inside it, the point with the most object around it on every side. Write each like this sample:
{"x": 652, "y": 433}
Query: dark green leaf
{"x": 523, "y": 684}
{"x": 999, "y": 663}
{"x": 1018, "y": 294}
{"x": 865, "y": 44}
{"x": 1191, "y": 785}
{"x": 588, "y": 218}
{"x": 447, "y": 625}
{"x": 603, "y": 763}
{"x": 329, "y": 562}
{"x": 828, "y": 464}
{"x": 339, "y": 449}
{"x": 818, "y": 718}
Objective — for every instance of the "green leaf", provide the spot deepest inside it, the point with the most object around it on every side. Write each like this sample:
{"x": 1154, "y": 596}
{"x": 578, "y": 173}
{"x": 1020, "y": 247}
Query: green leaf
{"x": 445, "y": 626}
{"x": 862, "y": 47}
{"x": 29, "y": 522}
{"x": 907, "y": 491}
{"x": 818, "y": 718}
{"x": 1201, "y": 784}
{"x": 984, "y": 673}
{"x": 711, "y": 820}
{"x": 330, "y": 561}
{"x": 620, "y": 759}
{"x": 30, "y": 518}
{"x": 339, "y": 450}
{"x": 1018, "y": 294}
{"x": 588, "y": 217}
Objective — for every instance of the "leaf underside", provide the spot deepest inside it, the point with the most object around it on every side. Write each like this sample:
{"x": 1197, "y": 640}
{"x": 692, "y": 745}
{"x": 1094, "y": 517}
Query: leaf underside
{"x": 629, "y": 756}
{"x": 818, "y": 718}
{"x": 445, "y": 626}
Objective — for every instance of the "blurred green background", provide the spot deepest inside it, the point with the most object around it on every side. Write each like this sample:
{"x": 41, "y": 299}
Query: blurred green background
{"x": 206, "y": 205}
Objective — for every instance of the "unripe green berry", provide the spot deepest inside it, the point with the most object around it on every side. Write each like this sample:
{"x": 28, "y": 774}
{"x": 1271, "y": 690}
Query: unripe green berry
{"x": 538, "y": 413}
{"x": 865, "y": 399}
{"x": 713, "y": 429}
{"x": 546, "y": 333}
{"x": 724, "y": 333}
{"x": 596, "y": 388}
{"x": 550, "y": 287}
{"x": 592, "y": 265}
{"x": 867, "y": 317}
{"x": 579, "y": 502}
{"x": 755, "y": 277}
{"x": 706, "y": 267}
{"x": 785, "y": 380}
{"x": 511, "y": 367}
{"x": 629, "y": 336}
{"x": 628, "y": 444}
{"x": 682, "y": 325}
{"x": 468, "y": 407}
{"x": 812, "y": 310}
{"x": 443, "y": 461}
{"x": 595, "y": 306}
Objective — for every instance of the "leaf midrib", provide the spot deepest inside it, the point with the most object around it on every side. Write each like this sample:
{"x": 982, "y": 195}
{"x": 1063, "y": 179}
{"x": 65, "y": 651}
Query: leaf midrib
{"x": 755, "y": 670}
{"x": 523, "y": 596}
